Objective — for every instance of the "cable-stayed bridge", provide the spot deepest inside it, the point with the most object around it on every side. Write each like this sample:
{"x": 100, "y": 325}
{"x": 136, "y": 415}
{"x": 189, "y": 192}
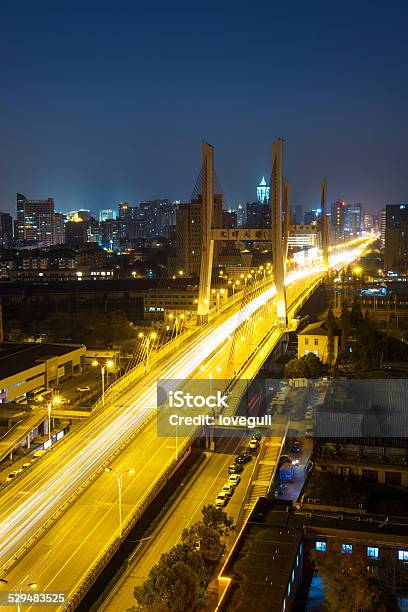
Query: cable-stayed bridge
{"x": 58, "y": 520}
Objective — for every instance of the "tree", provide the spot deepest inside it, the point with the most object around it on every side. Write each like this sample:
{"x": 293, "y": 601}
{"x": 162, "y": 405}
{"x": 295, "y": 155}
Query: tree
{"x": 170, "y": 586}
{"x": 356, "y": 316}
{"x": 347, "y": 583}
{"x": 331, "y": 327}
{"x": 309, "y": 366}
{"x": 202, "y": 537}
{"x": 217, "y": 518}
{"x": 345, "y": 325}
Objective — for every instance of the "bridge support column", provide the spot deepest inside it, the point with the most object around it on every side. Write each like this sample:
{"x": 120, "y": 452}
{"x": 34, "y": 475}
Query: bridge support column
{"x": 207, "y": 245}
{"x": 324, "y": 227}
{"x": 277, "y": 245}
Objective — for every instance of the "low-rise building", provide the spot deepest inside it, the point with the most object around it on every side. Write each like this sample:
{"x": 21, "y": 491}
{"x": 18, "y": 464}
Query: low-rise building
{"x": 30, "y": 367}
{"x": 315, "y": 339}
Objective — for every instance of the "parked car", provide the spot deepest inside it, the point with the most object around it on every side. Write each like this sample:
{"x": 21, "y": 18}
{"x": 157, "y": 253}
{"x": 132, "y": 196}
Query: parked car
{"x": 243, "y": 458}
{"x": 25, "y": 466}
{"x": 13, "y": 475}
{"x": 234, "y": 479}
{"x": 221, "y": 500}
{"x": 228, "y": 489}
{"x": 253, "y": 445}
{"x": 83, "y": 389}
{"x": 309, "y": 433}
{"x": 235, "y": 468}
{"x": 309, "y": 415}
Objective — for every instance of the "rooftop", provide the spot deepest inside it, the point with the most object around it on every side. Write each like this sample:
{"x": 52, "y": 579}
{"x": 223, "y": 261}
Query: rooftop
{"x": 15, "y": 358}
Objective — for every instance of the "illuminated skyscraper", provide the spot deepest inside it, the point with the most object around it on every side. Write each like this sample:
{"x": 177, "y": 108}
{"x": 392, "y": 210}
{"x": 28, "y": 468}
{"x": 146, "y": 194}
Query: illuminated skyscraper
{"x": 262, "y": 192}
{"x": 35, "y": 220}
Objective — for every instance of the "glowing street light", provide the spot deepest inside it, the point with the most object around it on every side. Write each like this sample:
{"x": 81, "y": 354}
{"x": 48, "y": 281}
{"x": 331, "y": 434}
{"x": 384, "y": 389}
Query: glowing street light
{"x": 119, "y": 479}
{"x": 104, "y": 366}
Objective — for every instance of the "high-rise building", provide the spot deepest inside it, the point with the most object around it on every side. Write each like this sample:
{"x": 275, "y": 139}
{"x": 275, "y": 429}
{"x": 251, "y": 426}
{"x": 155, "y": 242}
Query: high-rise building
{"x": 352, "y": 220}
{"x": 262, "y": 192}
{"x": 189, "y": 234}
{"x": 258, "y": 215}
{"x": 35, "y": 220}
{"x": 368, "y": 221}
{"x": 382, "y": 224}
{"x": 59, "y": 228}
{"x": 106, "y": 213}
{"x": 396, "y": 238}
{"x": 229, "y": 218}
{"x": 76, "y": 232}
{"x": 6, "y": 228}
{"x": 241, "y": 218}
{"x": 337, "y": 219}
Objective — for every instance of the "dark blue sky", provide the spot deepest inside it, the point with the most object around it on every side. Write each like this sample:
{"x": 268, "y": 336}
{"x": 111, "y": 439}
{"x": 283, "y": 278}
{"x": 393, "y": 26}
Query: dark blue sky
{"x": 102, "y": 101}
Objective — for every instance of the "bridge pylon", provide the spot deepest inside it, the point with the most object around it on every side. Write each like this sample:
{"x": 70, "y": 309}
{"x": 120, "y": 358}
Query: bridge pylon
{"x": 324, "y": 226}
{"x": 277, "y": 243}
{"x": 207, "y": 244}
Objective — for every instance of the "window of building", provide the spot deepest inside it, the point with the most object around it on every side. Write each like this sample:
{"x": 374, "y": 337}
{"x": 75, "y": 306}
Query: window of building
{"x": 289, "y": 589}
{"x": 320, "y": 546}
{"x": 316, "y": 341}
{"x": 403, "y": 555}
{"x": 393, "y": 478}
{"x": 293, "y": 575}
{"x": 347, "y": 549}
{"x": 306, "y": 341}
{"x": 372, "y": 552}
{"x": 371, "y": 475}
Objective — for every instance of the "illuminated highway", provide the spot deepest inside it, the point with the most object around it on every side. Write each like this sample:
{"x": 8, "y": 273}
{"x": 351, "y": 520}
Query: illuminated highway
{"x": 34, "y": 497}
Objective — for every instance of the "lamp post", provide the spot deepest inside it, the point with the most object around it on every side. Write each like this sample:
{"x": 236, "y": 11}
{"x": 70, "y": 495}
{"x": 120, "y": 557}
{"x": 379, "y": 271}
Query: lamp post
{"x": 56, "y": 400}
{"x": 108, "y": 365}
{"x": 119, "y": 478}
{"x": 19, "y": 588}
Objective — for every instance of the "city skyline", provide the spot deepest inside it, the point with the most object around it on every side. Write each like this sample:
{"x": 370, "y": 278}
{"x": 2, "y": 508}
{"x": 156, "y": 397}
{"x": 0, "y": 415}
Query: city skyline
{"x": 96, "y": 127}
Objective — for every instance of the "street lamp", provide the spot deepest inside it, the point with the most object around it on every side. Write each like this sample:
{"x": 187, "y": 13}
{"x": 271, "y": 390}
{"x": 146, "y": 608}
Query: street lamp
{"x": 18, "y": 588}
{"x": 56, "y": 400}
{"x": 108, "y": 365}
{"x": 119, "y": 478}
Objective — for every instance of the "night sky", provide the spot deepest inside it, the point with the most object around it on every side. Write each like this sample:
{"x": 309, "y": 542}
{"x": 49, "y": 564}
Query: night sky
{"x": 108, "y": 101}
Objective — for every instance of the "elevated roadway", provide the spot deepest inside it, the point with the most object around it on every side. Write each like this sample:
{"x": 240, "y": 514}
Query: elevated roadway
{"x": 70, "y": 480}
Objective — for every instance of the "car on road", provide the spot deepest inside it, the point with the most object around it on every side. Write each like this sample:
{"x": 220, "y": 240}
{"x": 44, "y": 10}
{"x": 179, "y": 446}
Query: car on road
{"x": 235, "y": 468}
{"x": 296, "y": 447}
{"x": 309, "y": 433}
{"x": 234, "y": 479}
{"x": 253, "y": 445}
{"x": 228, "y": 489}
{"x": 25, "y": 466}
{"x": 13, "y": 475}
{"x": 243, "y": 458}
{"x": 309, "y": 415}
{"x": 83, "y": 389}
{"x": 221, "y": 500}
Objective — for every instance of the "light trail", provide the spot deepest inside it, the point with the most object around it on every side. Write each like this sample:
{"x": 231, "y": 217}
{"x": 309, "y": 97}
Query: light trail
{"x": 20, "y": 518}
